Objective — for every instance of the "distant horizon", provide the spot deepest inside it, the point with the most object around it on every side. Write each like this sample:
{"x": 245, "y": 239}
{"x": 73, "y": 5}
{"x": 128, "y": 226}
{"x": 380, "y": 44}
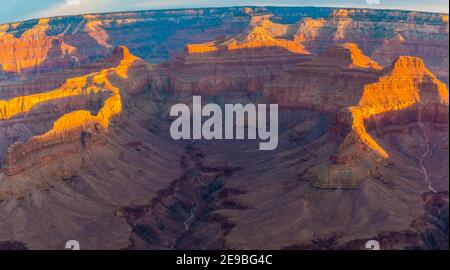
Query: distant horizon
{"x": 15, "y": 12}
{"x": 223, "y": 7}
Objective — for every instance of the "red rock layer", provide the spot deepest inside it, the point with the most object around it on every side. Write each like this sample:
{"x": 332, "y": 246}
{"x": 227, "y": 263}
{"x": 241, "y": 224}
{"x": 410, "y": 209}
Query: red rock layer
{"x": 349, "y": 54}
{"x": 408, "y": 82}
{"x": 162, "y": 34}
{"x": 32, "y": 49}
{"x": 429, "y": 42}
{"x": 71, "y": 126}
{"x": 332, "y": 81}
{"x": 258, "y": 36}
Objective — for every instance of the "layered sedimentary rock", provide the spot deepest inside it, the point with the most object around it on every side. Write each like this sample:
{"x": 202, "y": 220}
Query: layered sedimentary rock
{"x": 407, "y": 93}
{"x": 72, "y": 41}
{"x": 76, "y": 188}
{"x": 361, "y": 154}
{"x": 159, "y": 35}
{"x": 355, "y": 88}
{"x": 331, "y": 81}
{"x": 348, "y": 55}
{"x": 407, "y": 83}
{"x": 74, "y": 126}
{"x": 257, "y": 37}
{"x": 428, "y": 41}
{"x": 244, "y": 63}
{"x": 32, "y": 48}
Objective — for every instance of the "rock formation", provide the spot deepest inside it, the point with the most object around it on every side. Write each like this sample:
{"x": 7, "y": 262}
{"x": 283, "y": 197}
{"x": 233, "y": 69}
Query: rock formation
{"x": 79, "y": 40}
{"x": 32, "y": 48}
{"x": 345, "y": 25}
{"x": 86, "y": 152}
{"x": 348, "y": 55}
{"x": 256, "y": 37}
{"x": 331, "y": 81}
{"x": 244, "y": 63}
{"x": 408, "y": 83}
{"x": 71, "y": 126}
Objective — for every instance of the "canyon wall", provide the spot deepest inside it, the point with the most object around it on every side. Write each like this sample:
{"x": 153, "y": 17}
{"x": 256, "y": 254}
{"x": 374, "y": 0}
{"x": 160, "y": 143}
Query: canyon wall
{"x": 75, "y": 126}
{"x": 86, "y": 152}
{"x": 156, "y": 36}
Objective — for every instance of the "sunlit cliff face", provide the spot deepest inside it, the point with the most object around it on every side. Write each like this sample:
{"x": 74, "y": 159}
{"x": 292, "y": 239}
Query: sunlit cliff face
{"x": 30, "y": 49}
{"x": 399, "y": 89}
{"x": 74, "y": 87}
{"x": 401, "y": 86}
{"x": 77, "y": 120}
{"x": 257, "y": 36}
{"x": 395, "y": 91}
{"x": 87, "y": 146}
{"x": 359, "y": 59}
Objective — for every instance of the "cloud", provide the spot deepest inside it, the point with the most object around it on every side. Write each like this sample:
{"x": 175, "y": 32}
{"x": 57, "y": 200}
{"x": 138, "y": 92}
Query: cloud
{"x": 373, "y": 2}
{"x": 73, "y": 2}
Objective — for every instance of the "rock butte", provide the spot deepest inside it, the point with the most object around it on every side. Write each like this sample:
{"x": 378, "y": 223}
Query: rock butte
{"x": 257, "y": 37}
{"x": 243, "y": 63}
{"x": 399, "y": 89}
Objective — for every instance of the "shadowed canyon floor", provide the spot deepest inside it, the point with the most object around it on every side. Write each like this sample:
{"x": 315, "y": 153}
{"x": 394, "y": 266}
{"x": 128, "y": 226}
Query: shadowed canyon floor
{"x": 86, "y": 151}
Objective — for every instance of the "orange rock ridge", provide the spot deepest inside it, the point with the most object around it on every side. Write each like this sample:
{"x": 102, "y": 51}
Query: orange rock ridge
{"x": 257, "y": 37}
{"x": 30, "y": 49}
{"x": 73, "y": 87}
{"x": 309, "y": 29}
{"x": 399, "y": 89}
{"x": 201, "y": 48}
{"x": 359, "y": 59}
{"x": 93, "y": 29}
{"x": 347, "y": 55}
{"x": 70, "y": 123}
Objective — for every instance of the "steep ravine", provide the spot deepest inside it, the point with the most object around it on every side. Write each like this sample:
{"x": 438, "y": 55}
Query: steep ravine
{"x": 427, "y": 154}
{"x": 177, "y": 212}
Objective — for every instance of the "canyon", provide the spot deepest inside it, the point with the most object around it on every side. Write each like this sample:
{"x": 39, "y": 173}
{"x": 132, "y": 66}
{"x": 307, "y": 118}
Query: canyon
{"x": 86, "y": 151}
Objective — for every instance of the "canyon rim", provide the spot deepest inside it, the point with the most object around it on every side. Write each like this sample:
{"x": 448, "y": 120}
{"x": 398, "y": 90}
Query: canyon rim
{"x": 361, "y": 141}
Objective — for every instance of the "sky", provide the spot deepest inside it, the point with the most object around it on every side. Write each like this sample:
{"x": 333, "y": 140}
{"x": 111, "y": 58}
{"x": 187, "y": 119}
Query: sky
{"x": 19, "y": 10}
